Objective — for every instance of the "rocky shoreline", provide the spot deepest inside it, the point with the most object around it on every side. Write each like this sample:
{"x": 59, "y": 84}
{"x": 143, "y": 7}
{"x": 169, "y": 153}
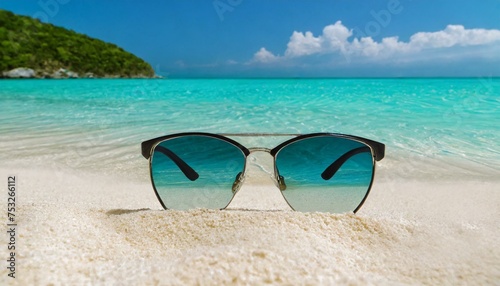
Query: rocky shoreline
{"x": 62, "y": 73}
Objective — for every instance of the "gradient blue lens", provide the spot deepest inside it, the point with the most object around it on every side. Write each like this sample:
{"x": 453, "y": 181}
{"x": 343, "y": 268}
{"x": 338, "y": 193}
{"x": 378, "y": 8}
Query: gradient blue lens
{"x": 215, "y": 162}
{"x": 303, "y": 163}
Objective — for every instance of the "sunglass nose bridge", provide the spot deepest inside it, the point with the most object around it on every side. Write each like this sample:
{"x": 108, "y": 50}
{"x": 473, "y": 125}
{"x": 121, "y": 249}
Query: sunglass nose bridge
{"x": 259, "y": 149}
{"x": 278, "y": 179}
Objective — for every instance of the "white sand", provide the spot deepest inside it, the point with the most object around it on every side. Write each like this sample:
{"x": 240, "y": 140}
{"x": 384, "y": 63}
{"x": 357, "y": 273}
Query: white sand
{"x": 77, "y": 228}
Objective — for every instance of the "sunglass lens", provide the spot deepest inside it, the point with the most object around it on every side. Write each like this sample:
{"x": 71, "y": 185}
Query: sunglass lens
{"x": 195, "y": 171}
{"x": 325, "y": 173}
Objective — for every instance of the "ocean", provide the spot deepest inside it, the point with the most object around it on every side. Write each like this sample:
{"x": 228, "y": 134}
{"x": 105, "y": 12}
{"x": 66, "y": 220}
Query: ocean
{"x": 443, "y": 128}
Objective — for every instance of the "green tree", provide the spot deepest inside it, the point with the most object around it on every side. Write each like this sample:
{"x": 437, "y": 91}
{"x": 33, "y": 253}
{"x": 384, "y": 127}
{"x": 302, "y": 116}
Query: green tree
{"x": 26, "y": 42}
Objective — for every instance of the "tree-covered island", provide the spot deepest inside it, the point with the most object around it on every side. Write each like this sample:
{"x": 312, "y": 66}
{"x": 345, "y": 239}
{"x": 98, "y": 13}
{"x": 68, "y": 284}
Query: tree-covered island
{"x": 32, "y": 49}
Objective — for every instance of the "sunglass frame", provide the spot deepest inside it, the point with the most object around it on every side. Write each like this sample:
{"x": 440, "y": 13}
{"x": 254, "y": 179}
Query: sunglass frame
{"x": 377, "y": 151}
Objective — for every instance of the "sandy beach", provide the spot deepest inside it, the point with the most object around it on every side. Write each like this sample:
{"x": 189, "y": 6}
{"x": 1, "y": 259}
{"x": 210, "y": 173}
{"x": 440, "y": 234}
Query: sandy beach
{"x": 81, "y": 228}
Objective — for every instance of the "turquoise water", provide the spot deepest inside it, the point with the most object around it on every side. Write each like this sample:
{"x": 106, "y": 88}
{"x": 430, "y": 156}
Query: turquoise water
{"x": 431, "y": 127}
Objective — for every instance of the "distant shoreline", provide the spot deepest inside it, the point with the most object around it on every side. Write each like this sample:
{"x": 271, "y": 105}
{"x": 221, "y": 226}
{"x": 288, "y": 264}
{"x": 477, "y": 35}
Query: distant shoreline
{"x": 82, "y": 78}
{"x": 62, "y": 73}
{"x": 261, "y": 78}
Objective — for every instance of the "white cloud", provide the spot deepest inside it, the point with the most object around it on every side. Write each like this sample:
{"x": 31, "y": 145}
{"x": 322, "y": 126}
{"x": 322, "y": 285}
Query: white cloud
{"x": 335, "y": 36}
{"x": 264, "y": 56}
{"x": 454, "y": 35}
{"x": 303, "y": 44}
{"x": 335, "y": 39}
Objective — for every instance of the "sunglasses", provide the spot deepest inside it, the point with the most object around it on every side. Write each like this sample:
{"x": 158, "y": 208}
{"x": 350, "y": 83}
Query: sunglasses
{"x": 324, "y": 172}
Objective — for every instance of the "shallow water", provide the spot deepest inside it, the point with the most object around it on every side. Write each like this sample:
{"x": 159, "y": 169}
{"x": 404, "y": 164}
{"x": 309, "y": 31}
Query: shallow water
{"x": 432, "y": 128}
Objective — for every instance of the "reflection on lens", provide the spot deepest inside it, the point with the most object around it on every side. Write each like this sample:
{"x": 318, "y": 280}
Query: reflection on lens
{"x": 302, "y": 165}
{"x": 215, "y": 164}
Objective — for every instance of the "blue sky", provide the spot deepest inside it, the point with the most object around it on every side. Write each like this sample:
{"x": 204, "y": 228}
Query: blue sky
{"x": 292, "y": 38}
